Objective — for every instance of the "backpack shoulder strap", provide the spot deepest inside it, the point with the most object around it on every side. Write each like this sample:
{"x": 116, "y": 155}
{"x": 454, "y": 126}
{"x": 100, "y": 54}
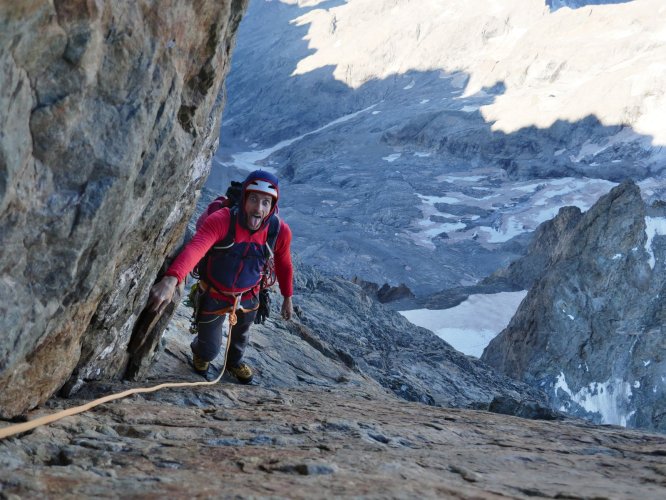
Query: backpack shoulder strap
{"x": 269, "y": 277}
{"x": 273, "y": 231}
{"x": 229, "y": 238}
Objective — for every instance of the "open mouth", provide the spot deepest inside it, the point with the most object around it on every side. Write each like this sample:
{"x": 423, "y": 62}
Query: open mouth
{"x": 254, "y": 221}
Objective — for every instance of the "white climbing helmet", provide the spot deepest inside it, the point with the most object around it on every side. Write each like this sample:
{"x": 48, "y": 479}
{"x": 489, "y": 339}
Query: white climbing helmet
{"x": 262, "y": 182}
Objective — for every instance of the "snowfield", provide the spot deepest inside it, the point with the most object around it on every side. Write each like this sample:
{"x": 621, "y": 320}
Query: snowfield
{"x": 548, "y": 61}
{"x": 470, "y": 326}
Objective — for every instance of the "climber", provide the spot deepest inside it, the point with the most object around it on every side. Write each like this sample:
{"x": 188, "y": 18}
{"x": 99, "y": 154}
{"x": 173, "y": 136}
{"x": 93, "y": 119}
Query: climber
{"x": 232, "y": 275}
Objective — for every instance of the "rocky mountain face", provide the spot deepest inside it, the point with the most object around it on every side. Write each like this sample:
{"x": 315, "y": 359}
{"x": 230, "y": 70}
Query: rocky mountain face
{"x": 417, "y": 142}
{"x": 320, "y": 420}
{"x": 345, "y": 441}
{"x": 339, "y": 320}
{"x": 591, "y": 330}
{"x": 522, "y": 273}
{"x": 109, "y": 118}
{"x": 410, "y": 361}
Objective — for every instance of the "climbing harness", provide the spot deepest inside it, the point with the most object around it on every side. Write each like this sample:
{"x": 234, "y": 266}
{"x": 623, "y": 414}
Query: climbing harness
{"x": 47, "y": 419}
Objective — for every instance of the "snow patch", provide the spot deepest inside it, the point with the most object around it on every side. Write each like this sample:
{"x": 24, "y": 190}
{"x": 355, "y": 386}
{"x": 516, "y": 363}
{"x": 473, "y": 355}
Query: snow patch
{"x": 428, "y": 229}
{"x": 605, "y": 398}
{"x": 434, "y": 229}
{"x": 466, "y": 178}
{"x": 511, "y": 228}
{"x": 392, "y": 158}
{"x": 654, "y": 226}
{"x": 249, "y": 160}
{"x": 431, "y": 200}
{"x": 463, "y": 327}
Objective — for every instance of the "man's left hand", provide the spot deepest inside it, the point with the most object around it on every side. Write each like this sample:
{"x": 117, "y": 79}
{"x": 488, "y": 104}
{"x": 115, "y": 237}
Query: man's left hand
{"x": 287, "y": 308}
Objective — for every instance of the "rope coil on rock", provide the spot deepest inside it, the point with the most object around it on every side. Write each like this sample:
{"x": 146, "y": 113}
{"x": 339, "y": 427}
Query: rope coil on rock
{"x": 12, "y": 430}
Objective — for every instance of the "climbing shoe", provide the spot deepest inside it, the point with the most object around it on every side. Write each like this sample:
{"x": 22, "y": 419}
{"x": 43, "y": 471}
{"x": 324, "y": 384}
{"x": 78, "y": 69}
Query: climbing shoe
{"x": 200, "y": 366}
{"x": 205, "y": 368}
{"x": 242, "y": 372}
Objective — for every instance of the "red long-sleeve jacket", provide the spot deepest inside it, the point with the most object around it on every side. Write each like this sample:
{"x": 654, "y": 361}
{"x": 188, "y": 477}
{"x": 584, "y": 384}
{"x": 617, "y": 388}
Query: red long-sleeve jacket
{"x": 214, "y": 229}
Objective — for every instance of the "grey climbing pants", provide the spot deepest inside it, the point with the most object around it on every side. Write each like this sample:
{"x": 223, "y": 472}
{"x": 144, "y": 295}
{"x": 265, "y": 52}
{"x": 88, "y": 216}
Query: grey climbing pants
{"x": 210, "y": 331}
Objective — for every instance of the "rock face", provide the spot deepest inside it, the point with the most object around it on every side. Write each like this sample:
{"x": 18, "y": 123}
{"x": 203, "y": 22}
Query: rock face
{"x": 339, "y": 319}
{"x": 324, "y": 431}
{"x": 251, "y": 442}
{"x": 385, "y": 293}
{"x": 109, "y": 114}
{"x": 523, "y": 272}
{"x": 591, "y": 330}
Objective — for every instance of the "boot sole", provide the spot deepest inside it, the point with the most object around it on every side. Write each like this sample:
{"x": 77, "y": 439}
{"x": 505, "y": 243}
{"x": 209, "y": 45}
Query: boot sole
{"x": 210, "y": 374}
{"x": 244, "y": 381}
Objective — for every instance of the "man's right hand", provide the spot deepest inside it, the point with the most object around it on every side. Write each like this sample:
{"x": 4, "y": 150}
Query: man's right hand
{"x": 161, "y": 294}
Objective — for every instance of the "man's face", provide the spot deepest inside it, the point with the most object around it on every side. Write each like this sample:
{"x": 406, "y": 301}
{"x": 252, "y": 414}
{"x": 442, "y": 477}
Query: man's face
{"x": 257, "y": 207}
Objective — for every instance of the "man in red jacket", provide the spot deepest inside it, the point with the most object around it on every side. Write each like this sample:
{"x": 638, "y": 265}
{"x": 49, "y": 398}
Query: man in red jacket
{"x": 232, "y": 272}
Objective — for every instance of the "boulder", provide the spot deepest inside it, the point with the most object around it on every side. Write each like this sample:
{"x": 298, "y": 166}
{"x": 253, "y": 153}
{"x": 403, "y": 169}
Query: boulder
{"x": 385, "y": 293}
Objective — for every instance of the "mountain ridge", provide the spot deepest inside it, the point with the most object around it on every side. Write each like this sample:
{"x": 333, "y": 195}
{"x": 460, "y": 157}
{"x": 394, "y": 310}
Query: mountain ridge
{"x": 589, "y": 331}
